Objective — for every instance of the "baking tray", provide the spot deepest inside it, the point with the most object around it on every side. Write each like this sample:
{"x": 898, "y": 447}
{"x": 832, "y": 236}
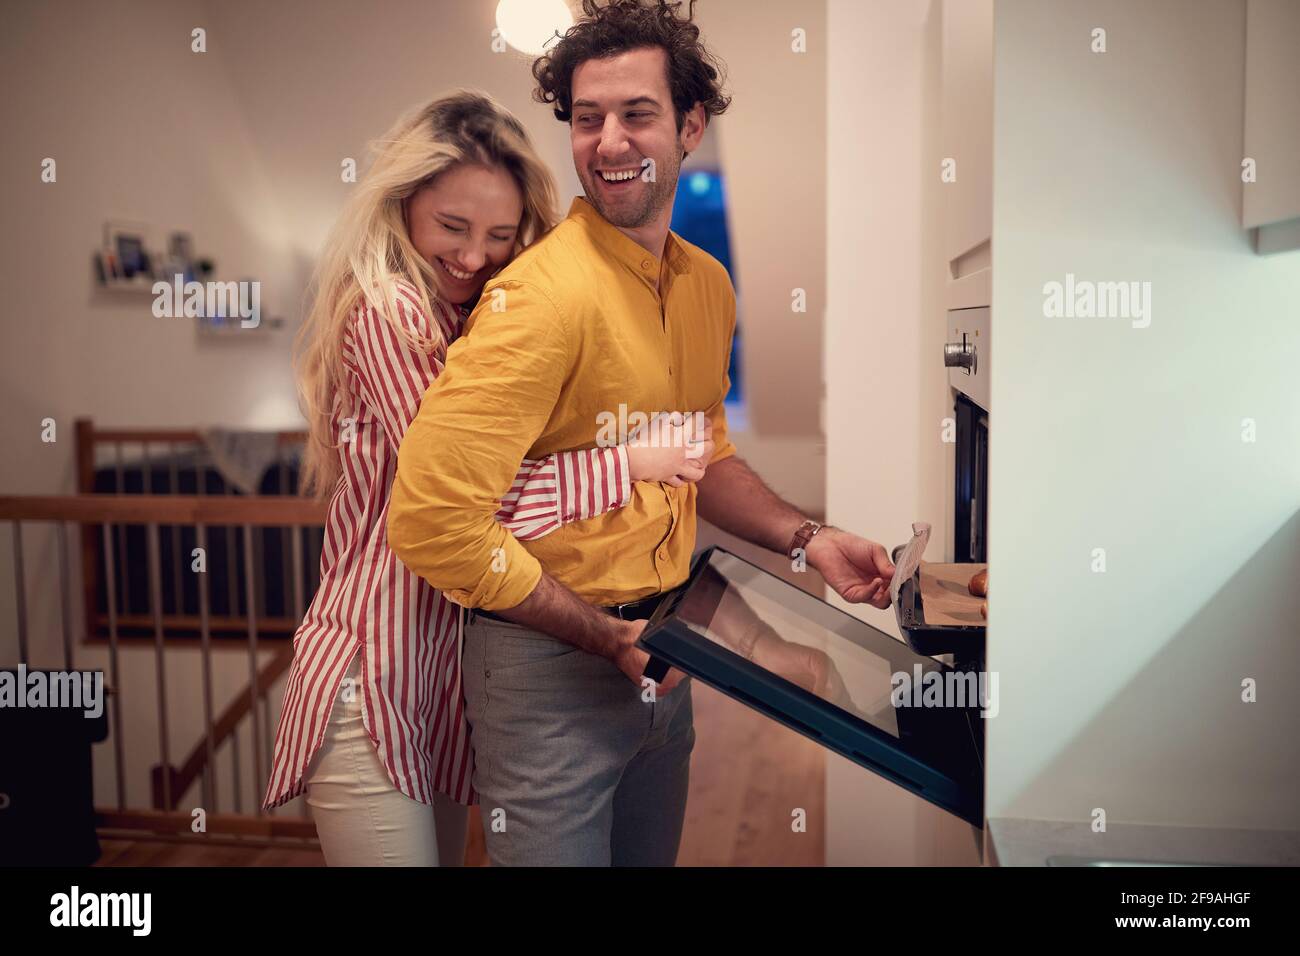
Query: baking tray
{"x": 965, "y": 642}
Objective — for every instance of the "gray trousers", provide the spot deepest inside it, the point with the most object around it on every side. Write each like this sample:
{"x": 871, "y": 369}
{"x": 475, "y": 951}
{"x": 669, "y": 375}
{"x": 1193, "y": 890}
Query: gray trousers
{"x": 571, "y": 766}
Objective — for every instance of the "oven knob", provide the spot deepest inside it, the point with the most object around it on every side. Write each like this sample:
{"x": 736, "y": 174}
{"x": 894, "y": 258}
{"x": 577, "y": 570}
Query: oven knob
{"x": 960, "y": 355}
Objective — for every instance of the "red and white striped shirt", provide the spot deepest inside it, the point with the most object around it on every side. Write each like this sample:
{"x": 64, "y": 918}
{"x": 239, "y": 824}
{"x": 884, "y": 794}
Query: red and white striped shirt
{"x": 370, "y": 604}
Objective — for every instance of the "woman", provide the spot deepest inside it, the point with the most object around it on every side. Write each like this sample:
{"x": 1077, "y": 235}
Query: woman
{"x": 372, "y": 727}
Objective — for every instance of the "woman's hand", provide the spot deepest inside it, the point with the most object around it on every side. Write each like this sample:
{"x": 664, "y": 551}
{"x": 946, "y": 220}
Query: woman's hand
{"x": 672, "y": 448}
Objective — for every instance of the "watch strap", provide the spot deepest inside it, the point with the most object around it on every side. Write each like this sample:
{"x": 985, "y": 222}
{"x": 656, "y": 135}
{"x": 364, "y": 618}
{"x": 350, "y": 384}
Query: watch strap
{"x": 805, "y": 533}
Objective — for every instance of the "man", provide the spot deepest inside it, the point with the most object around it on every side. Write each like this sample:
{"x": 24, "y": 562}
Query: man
{"x": 573, "y": 763}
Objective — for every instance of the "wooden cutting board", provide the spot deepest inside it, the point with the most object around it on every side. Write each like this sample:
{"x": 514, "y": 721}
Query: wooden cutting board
{"x": 946, "y": 597}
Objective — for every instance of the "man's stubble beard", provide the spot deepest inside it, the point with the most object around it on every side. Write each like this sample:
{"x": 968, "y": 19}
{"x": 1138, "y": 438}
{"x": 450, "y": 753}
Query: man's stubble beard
{"x": 659, "y": 195}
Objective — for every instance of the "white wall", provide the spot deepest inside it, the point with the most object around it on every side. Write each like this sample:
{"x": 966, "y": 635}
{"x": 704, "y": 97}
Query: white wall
{"x": 886, "y": 388}
{"x": 141, "y": 129}
{"x": 772, "y": 142}
{"x": 319, "y": 81}
{"x": 1122, "y": 690}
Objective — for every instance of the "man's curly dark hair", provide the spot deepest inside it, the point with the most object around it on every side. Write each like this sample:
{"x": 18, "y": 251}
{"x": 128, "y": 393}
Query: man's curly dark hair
{"x": 606, "y": 29}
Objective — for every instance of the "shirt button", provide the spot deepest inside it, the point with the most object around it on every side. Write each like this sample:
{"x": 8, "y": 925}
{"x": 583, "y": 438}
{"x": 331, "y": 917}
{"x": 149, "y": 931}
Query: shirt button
{"x": 646, "y": 263}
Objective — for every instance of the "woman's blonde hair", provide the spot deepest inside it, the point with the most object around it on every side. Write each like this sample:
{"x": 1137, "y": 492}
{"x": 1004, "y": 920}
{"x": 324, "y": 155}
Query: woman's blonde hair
{"x": 369, "y": 248}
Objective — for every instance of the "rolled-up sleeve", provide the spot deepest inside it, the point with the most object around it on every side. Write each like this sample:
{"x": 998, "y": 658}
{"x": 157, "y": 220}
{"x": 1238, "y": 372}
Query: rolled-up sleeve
{"x": 461, "y": 453}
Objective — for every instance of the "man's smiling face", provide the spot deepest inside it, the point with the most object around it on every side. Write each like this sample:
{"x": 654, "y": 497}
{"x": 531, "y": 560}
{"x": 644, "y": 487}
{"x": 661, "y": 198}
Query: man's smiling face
{"x": 622, "y": 116}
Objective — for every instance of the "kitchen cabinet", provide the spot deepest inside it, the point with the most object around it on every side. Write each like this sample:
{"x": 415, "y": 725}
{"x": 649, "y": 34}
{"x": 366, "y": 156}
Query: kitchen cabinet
{"x": 1271, "y": 137}
{"x": 966, "y": 138}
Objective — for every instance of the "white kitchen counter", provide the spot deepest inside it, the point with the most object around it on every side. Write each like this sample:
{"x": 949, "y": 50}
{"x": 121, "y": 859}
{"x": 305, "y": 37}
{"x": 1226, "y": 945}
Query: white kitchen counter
{"x": 1019, "y": 842}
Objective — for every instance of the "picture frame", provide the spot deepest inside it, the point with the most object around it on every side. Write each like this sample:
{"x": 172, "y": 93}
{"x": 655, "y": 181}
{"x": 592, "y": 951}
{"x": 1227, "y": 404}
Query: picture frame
{"x": 126, "y": 253}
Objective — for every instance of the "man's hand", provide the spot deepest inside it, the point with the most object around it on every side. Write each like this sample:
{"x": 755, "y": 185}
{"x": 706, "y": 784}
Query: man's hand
{"x": 859, "y": 570}
{"x": 632, "y": 661}
{"x": 671, "y": 448}
{"x": 555, "y": 610}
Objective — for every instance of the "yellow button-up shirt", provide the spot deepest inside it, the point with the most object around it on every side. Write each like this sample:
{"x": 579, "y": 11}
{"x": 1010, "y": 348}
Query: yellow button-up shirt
{"x": 571, "y": 339}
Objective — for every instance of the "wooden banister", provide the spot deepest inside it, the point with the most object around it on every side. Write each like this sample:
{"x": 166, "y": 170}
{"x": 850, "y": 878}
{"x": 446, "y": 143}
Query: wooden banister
{"x": 89, "y": 440}
{"x": 189, "y": 771}
{"x": 178, "y": 436}
{"x": 263, "y": 511}
{"x": 85, "y": 432}
{"x": 88, "y": 433}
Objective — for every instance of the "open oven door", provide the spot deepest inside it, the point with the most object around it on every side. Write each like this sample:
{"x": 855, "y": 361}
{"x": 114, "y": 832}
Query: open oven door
{"x": 850, "y": 687}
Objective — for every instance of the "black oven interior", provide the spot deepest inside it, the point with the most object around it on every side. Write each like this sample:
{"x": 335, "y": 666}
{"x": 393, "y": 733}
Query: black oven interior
{"x": 970, "y": 528}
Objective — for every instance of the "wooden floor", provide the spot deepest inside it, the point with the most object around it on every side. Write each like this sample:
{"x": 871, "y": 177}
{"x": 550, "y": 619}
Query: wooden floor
{"x": 158, "y": 853}
{"x": 749, "y": 776}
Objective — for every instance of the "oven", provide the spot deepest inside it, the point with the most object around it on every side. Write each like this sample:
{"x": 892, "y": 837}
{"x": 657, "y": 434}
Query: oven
{"x": 936, "y": 614}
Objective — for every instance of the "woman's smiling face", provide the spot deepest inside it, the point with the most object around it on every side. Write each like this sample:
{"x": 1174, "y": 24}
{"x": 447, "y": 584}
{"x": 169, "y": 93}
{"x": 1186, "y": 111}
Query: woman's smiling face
{"x": 464, "y": 225}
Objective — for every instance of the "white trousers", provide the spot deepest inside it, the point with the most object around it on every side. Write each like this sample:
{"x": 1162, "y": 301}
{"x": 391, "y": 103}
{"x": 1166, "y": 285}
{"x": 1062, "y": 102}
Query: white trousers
{"x": 361, "y": 818}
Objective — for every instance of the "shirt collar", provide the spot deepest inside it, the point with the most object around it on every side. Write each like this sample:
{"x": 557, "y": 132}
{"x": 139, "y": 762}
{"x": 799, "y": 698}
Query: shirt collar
{"x": 626, "y": 250}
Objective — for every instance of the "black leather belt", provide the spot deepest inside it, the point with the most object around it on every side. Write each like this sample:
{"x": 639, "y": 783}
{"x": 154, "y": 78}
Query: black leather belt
{"x": 632, "y": 611}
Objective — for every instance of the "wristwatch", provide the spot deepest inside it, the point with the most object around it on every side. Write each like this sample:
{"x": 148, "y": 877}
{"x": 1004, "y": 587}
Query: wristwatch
{"x": 802, "y": 536}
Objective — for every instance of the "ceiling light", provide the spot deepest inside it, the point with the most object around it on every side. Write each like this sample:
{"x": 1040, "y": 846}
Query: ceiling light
{"x": 530, "y": 25}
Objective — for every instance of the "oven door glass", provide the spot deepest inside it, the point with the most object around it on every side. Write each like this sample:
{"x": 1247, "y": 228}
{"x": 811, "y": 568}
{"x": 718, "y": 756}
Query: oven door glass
{"x": 850, "y": 687}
